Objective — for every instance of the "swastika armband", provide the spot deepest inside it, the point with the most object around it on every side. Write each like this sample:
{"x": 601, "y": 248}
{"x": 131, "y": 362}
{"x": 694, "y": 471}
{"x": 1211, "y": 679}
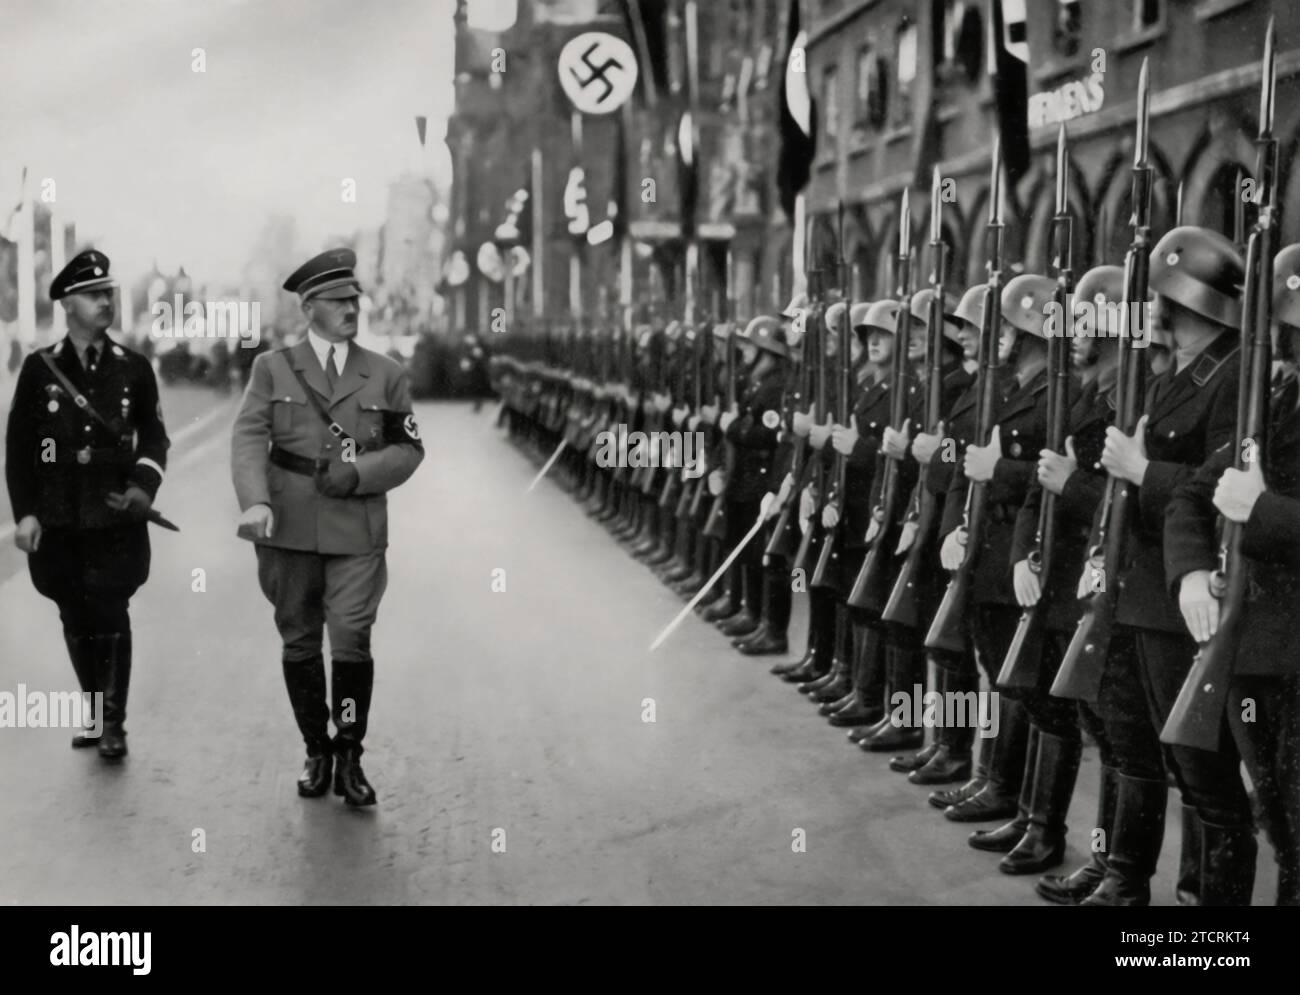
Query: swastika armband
{"x": 400, "y": 429}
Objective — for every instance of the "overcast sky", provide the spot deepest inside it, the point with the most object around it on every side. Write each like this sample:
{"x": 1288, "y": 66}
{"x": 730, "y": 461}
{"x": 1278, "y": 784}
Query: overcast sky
{"x": 154, "y": 160}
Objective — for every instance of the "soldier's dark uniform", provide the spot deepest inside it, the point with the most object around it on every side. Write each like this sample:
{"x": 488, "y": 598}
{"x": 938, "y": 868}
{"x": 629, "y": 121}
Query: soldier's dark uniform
{"x": 61, "y": 463}
{"x": 1021, "y": 417}
{"x": 1266, "y": 665}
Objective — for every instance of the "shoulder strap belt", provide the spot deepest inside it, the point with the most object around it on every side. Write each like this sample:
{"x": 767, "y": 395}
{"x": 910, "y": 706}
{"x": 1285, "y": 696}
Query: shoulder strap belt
{"x": 335, "y": 429}
{"x": 78, "y": 398}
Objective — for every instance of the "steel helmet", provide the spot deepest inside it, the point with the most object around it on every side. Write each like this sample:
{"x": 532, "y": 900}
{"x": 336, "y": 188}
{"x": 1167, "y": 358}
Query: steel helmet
{"x": 1200, "y": 270}
{"x": 971, "y": 306}
{"x": 1101, "y": 290}
{"x": 921, "y": 311}
{"x": 1024, "y": 302}
{"x": 882, "y": 316}
{"x": 768, "y": 333}
{"x": 1286, "y": 285}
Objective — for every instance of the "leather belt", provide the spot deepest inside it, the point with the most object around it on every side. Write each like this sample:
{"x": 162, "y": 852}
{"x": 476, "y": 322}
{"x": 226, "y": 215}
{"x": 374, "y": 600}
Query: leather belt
{"x": 96, "y": 454}
{"x": 294, "y": 463}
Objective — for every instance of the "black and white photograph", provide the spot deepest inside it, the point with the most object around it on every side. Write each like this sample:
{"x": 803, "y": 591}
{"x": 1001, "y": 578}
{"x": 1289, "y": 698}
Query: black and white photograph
{"x": 651, "y": 453}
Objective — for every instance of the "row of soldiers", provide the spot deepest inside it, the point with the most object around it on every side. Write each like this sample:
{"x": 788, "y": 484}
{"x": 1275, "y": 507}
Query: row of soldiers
{"x": 966, "y": 489}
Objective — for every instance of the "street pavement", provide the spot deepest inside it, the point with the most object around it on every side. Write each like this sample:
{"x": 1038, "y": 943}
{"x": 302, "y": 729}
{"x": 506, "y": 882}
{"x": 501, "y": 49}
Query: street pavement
{"x": 508, "y": 743}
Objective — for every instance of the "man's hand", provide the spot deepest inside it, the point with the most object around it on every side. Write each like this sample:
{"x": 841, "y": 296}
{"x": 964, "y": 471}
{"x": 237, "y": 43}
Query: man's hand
{"x": 844, "y": 439}
{"x": 1054, "y": 469}
{"x": 807, "y": 504}
{"x": 134, "y": 503}
{"x": 727, "y": 418}
{"x": 981, "y": 460}
{"x": 925, "y": 445}
{"x": 338, "y": 480}
{"x": 1029, "y": 590}
{"x": 894, "y": 442}
{"x": 818, "y": 434}
{"x": 953, "y": 550}
{"x": 1125, "y": 456}
{"x": 28, "y": 534}
{"x": 260, "y": 520}
{"x": 679, "y": 416}
{"x": 716, "y": 482}
{"x": 709, "y": 414}
{"x": 693, "y": 422}
{"x": 906, "y": 537}
{"x": 783, "y": 494}
{"x": 1200, "y": 608}
{"x": 830, "y": 516}
{"x": 873, "y": 530}
{"x": 1238, "y": 491}
{"x": 802, "y": 423}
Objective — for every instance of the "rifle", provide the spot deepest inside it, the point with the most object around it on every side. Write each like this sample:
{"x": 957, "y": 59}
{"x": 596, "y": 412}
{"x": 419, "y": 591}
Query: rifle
{"x": 705, "y": 390}
{"x": 1197, "y": 715}
{"x": 869, "y": 589}
{"x": 716, "y": 526}
{"x": 946, "y": 631}
{"x": 1020, "y": 668}
{"x": 923, "y": 508}
{"x": 785, "y": 540}
{"x": 823, "y": 574}
{"x": 1085, "y": 659}
{"x": 813, "y": 537}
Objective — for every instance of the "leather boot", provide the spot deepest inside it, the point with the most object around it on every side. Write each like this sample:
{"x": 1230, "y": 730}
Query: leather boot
{"x": 910, "y": 762}
{"x": 841, "y": 659}
{"x": 1007, "y": 836}
{"x": 741, "y": 624}
{"x": 113, "y": 663}
{"x": 1074, "y": 888}
{"x": 906, "y": 673}
{"x": 828, "y": 708}
{"x": 764, "y": 641}
{"x": 726, "y": 607}
{"x": 1043, "y": 845}
{"x": 1227, "y": 864}
{"x": 869, "y": 681}
{"x": 997, "y": 799}
{"x": 821, "y": 638}
{"x": 979, "y": 777}
{"x": 81, "y": 650}
{"x": 353, "y": 682}
{"x": 305, "y": 682}
{"x": 817, "y": 616}
{"x": 1188, "y": 889}
{"x": 951, "y": 761}
{"x": 1134, "y": 845}
{"x": 349, "y": 780}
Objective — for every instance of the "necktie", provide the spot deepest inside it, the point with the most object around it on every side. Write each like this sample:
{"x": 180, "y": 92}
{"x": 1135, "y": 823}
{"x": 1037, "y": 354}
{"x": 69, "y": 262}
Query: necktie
{"x": 331, "y": 374}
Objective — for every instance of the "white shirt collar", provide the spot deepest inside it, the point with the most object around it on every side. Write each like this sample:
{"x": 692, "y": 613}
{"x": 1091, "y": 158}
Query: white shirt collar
{"x": 321, "y": 348}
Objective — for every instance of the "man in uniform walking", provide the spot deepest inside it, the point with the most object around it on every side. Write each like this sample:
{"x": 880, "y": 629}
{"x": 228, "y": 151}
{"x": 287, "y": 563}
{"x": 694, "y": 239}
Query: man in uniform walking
{"x": 85, "y": 455}
{"x": 324, "y": 431}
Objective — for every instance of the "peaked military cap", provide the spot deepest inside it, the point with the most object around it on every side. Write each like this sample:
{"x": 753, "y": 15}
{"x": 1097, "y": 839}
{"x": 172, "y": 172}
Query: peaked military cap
{"x": 329, "y": 276}
{"x": 86, "y": 271}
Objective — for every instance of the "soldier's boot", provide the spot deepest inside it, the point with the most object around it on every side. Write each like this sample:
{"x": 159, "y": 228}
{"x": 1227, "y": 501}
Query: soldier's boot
{"x": 906, "y": 673}
{"x": 1227, "y": 863}
{"x": 951, "y": 761}
{"x": 113, "y": 662}
{"x": 948, "y": 797}
{"x": 689, "y": 585}
{"x": 821, "y": 638}
{"x": 909, "y": 763}
{"x": 1006, "y": 836}
{"x": 1043, "y": 845}
{"x": 642, "y": 541}
{"x": 866, "y": 705}
{"x": 841, "y": 657}
{"x": 821, "y": 613}
{"x": 1072, "y": 889}
{"x": 730, "y": 604}
{"x": 680, "y": 565}
{"x": 305, "y": 681}
{"x": 1188, "y": 889}
{"x": 81, "y": 650}
{"x": 997, "y": 798}
{"x": 353, "y": 681}
{"x": 770, "y": 637}
{"x": 1134, "y": 844}
{"x": 751, "y": 617}
{"x": 666, "y": 550}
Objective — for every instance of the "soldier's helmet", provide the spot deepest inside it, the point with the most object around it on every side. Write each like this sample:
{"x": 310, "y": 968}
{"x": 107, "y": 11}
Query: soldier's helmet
{"x": 1200, "y": 270}
{"x": 921, "y": 311}
{"x": 1100, "y": 292}
{"x": 1024, "y": 302}
{"x": 882, "y": 316}
{"x": 1286, "y": 286}
{"x": 971, "y": 306}
{"x": 768, "y": 334}
{"x": 834, "y": 315}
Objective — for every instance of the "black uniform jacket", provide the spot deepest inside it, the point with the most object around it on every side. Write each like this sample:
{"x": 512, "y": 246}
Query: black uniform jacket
{"x": 1092, "y": 412}
{"x": 60, "y": 461}
{"x": 1270, "y": 626}
{"x": 1191, "y": 414}
{"x": 754, "y": 434}
{"x": 1021, "y": 418}
{"x": 871, "y": 409}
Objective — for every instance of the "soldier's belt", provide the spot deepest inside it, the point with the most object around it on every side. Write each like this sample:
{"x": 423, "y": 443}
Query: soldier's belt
{"x": 95, "y": 454}
{"x": 296, "y": 464}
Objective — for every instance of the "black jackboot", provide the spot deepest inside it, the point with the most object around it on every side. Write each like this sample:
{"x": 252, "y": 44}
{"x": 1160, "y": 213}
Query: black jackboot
{"x": 1074, "y": 888}
{"x": 906, "y": 672}
{"x": 1188, "y": 888}
{"x": 864, "y": 707}
{"x": 305, "y": 682}
{"x": 821, "y": 640}
{"x": 841, "y": 659}
{"x": 979, "y": 777}
{"x": 113, "y": 665}
{"x": 1043, "y": 845}
{"x": 997, "y": 799}
{"x": 1227, "y": 864}
{"x": 1134, "y": 844}
{"x": 353, "y": 682}
{"x": 821, "y": 613}
{"x": 82, "y": 650}
{"x": 950, "y": 763}
{"x": 1006, "y": 837}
